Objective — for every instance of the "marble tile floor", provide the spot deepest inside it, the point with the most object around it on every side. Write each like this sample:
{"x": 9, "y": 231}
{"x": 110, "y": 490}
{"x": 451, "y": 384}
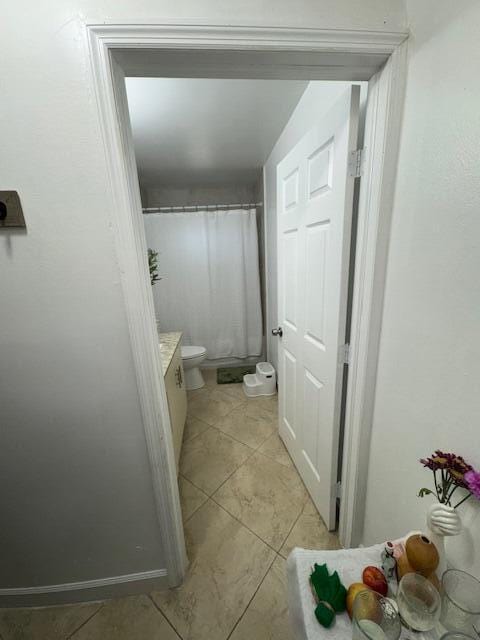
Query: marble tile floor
{"x": 244, "y": 509}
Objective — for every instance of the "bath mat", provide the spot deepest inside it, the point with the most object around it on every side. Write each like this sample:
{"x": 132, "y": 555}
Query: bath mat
{"x": 228, "y": 375}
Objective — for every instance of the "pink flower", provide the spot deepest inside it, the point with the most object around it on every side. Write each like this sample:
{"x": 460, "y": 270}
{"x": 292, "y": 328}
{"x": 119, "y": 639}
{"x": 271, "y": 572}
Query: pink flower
{"x": 472, "y": 480}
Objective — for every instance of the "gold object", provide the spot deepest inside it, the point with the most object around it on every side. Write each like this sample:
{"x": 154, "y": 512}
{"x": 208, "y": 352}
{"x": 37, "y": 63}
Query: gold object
{"x": 422, "y": 554}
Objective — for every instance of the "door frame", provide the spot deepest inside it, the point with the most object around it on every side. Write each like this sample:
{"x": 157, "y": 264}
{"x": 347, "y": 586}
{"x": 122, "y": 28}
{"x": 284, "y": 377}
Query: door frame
{"x": 383, "y": 124}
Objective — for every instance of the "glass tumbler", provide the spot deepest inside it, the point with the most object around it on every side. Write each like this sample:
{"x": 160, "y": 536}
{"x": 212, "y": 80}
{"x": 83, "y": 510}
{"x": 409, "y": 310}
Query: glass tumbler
{"x": 456, "y": 635}
{"x": 374, "y": 618}
{"x": 418, "y": 602}
{"x": 460, "y": 600}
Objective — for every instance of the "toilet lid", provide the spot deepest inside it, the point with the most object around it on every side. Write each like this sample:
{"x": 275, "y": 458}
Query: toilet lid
{"x": 192, "y": 352}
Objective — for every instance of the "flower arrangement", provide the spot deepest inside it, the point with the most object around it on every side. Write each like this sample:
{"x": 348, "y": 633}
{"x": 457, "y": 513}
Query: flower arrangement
{"x": 449, "y": 473}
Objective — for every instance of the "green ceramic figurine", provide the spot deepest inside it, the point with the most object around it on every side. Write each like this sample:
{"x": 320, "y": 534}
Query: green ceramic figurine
{"x": 329, "y": 594}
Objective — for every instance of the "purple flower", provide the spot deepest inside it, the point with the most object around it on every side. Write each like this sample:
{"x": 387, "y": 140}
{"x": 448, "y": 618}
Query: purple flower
{"x": 449, "y": 471}
{"x": 472, "y": 480}
{"x": 454, "y": 464}
{"x": 458, "y": 470}
{"x": 435, "y": 462}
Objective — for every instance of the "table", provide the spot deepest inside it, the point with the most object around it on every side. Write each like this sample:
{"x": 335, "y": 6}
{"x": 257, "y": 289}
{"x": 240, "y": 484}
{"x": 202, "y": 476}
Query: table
{"x": 349, "y": 563}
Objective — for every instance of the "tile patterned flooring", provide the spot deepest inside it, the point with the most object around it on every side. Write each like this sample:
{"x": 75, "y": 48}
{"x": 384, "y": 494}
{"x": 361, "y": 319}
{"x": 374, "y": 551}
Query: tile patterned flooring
{"x": 244, "y": 509}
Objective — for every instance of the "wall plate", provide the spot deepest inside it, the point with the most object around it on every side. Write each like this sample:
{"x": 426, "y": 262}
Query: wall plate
{"x": 11, "y": 212}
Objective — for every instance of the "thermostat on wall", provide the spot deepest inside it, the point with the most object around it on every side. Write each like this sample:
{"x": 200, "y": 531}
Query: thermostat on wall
{"x": 11, "y": 213}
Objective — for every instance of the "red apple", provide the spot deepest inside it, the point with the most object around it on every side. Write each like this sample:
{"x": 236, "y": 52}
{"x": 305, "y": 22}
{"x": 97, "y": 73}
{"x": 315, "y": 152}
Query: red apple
{"x": 374, "y": 578}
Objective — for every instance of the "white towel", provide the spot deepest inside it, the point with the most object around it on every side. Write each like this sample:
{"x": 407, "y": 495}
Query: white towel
{"x": 349, "y": 563}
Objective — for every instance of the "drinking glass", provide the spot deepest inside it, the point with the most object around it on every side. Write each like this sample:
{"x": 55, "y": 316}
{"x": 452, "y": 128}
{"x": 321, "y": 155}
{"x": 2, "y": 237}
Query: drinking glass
{"x": 460, "y": 600}
{"x": 374, "y": 618}
{"x": 418, "y": 602}
{"x": 456, "y": 635}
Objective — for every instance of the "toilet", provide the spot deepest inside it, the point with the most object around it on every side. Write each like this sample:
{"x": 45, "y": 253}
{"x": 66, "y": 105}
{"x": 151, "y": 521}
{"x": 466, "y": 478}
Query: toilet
{"x": 192, "y": 358}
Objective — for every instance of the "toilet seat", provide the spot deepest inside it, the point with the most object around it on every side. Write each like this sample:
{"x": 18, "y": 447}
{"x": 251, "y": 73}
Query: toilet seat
{"x": 190, "y": 352}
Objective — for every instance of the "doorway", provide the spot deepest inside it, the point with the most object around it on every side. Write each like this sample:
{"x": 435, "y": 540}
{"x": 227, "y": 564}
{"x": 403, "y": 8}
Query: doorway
{"x": 201, "y": 142}
{"x": 200, "y": 147}
{"x": 326, "y": 55}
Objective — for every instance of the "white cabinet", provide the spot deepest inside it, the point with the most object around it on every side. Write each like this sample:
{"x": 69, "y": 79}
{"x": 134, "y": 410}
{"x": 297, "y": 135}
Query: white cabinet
{"x": 177, "y": 400}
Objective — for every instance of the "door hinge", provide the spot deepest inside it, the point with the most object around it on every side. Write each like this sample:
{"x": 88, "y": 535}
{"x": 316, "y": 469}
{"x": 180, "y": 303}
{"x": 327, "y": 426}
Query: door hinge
{"x": 356, "y": 160}
{"x": 338, "y": 490}
{"x": 346, "y": 354}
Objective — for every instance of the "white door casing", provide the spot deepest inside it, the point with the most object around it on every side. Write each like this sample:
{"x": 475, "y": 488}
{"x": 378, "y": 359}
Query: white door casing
{"x": 314, "y": 213}
{"x": 387, "y": 51}
{"x": 335, "y": 54}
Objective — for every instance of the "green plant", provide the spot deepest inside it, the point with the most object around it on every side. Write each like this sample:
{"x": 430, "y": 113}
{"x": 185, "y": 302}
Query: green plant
{"x": 153, "y": 266}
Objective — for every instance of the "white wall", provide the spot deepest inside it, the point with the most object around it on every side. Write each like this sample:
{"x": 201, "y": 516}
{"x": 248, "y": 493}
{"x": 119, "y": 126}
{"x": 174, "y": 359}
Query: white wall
{"x": 175, "y": 196}
{"x": 317, "y": 99}
{"x": 428, "y": 389}
{"x": 259, "y": 197}
{"x": 201, "y": 132}
{"x": 76, "y": 497}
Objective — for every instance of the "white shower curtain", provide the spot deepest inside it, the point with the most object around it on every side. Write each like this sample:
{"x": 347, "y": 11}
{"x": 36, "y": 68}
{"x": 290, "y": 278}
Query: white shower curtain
{"x": 210, "y": 287}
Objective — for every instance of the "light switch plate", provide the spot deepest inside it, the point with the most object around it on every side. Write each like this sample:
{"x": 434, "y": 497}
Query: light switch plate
{"x": 11, "y": 213}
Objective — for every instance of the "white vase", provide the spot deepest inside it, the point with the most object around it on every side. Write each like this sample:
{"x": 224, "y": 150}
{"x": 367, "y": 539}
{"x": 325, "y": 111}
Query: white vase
{"x": 442, "y": 521}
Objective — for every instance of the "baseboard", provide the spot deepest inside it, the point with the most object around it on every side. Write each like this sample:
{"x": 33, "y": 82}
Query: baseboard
{"x": 85, "y": 591}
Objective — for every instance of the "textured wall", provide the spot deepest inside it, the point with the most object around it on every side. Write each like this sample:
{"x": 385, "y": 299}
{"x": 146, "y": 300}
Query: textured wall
{"x": 429, "y": 369}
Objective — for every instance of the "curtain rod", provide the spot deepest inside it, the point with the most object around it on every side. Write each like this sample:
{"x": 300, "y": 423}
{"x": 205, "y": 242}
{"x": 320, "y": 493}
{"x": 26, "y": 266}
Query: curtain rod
{"x": 202, "y": 207}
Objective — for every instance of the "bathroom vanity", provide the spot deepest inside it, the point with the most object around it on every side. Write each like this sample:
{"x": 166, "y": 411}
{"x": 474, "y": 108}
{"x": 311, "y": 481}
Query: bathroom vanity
{"x": 170, "y": 351}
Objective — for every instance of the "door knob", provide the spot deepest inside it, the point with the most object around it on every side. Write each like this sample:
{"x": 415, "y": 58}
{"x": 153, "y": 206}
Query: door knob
{"x": 277, "y": 332}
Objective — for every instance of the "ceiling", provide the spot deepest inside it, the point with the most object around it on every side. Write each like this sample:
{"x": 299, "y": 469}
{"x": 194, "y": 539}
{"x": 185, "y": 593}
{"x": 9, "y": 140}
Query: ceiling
{"x": 198, "y": 132}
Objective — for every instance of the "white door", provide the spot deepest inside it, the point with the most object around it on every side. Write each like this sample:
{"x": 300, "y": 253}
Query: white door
{"x": 314, "y": 213}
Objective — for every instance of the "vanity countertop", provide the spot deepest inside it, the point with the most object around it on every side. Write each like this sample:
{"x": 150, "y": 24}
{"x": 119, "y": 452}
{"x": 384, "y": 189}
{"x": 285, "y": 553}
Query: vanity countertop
{"x": 168, "y": 343}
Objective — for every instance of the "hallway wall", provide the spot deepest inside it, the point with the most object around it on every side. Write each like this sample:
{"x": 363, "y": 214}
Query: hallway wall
{"x": 429, "y": 366}
{"x": 76, "y": 496}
